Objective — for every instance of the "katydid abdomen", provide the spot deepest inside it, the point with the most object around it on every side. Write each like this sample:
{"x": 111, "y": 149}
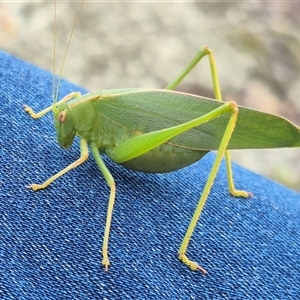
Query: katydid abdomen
{"x": 164, "y": 159}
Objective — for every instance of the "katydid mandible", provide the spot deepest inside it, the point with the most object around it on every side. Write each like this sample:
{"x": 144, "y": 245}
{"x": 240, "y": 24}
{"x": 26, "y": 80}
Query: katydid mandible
{"x": 160, "y": 131}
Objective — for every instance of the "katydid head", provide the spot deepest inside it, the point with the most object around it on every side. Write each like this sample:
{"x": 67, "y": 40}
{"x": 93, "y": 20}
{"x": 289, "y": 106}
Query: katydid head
{"x": 65, "y": 131}
{"x": 63, "y": 122}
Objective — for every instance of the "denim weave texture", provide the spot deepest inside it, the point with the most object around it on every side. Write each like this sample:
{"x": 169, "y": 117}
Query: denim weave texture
{"x": 50, "y": 240}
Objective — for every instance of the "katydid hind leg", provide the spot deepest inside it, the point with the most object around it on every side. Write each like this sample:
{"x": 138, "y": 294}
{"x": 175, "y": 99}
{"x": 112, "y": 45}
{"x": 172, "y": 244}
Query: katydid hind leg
{"x": 143, "y": 143}
{"x": 111, "y": 183}
{"x": 212, "y": 175}
{"x": 233, "y": 191}
{"x": 196, "y": 59}
{"x": 218, "y": 95}
{"x": 205, "y": 51}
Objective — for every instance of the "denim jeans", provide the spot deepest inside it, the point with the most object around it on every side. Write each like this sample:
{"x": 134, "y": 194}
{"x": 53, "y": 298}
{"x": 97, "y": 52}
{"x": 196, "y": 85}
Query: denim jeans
{"x": 50, "y": 239}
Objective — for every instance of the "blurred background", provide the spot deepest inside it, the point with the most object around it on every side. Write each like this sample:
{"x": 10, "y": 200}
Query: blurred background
{"x": 146, "y": 44}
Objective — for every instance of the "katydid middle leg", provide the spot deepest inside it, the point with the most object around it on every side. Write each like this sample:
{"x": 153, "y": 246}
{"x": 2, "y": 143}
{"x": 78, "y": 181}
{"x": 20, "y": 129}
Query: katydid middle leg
{"x": 217, "y": 91}
{"x": 111, "y": 183}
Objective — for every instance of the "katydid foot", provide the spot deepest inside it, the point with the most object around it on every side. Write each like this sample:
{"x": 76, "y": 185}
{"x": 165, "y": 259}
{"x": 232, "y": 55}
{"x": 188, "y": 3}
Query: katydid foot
{"x": 191, "y": 264}
{"x": 105, "y": 262}
{"x": 30, "y": 111}
{"x": 36, "y": 187}
{"x": 241, "y": 193}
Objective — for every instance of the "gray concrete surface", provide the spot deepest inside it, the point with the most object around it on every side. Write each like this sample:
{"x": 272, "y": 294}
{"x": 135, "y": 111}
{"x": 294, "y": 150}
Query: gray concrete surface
{"x": 146, "y": 44}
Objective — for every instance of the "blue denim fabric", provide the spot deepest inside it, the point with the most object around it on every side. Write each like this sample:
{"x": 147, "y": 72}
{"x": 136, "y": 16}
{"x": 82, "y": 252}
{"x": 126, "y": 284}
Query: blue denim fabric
{"x": 50, "y": 240}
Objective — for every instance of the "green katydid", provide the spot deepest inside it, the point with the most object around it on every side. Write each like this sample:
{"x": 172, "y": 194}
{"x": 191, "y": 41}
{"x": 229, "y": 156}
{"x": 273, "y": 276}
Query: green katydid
{"x": 161, "y": 130}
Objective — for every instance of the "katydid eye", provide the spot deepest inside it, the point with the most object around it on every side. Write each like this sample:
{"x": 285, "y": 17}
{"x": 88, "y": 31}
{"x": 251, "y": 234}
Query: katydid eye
{"x": 62, "y": 116}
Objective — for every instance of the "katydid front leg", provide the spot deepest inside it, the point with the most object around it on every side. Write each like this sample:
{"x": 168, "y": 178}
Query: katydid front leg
{"x": 67, "y": 98}
{"x": 84, "y": 154}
